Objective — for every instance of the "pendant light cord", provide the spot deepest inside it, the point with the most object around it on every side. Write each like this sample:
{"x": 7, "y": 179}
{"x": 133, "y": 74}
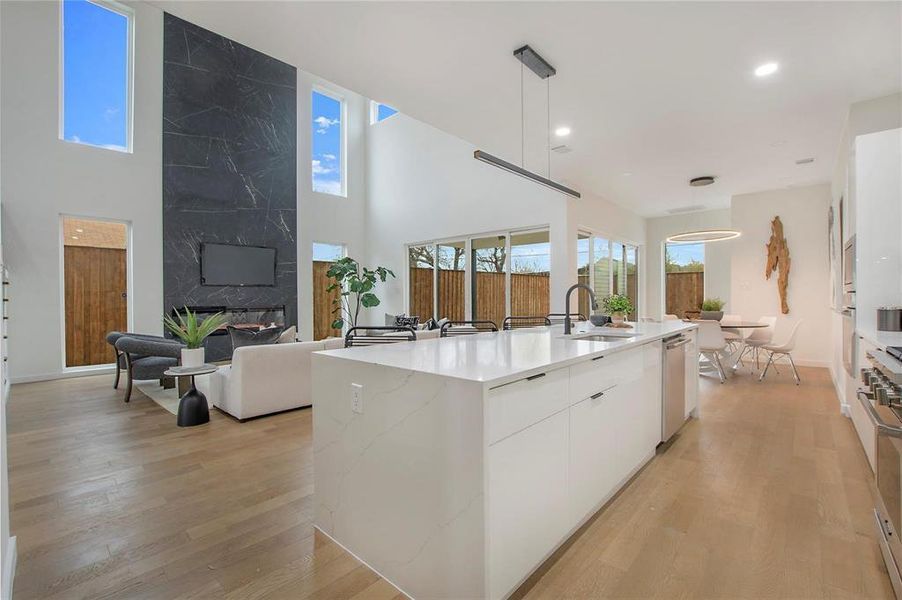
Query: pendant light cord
{"x": 548, "y": 122}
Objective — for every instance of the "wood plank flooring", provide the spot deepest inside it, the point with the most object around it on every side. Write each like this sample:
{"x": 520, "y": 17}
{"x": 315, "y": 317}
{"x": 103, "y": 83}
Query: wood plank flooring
{"x": 767, "y": 496}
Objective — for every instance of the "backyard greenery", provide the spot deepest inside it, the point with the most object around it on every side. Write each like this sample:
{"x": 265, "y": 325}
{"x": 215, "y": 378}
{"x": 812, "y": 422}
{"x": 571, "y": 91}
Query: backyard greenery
{"x": 617, "y": 304}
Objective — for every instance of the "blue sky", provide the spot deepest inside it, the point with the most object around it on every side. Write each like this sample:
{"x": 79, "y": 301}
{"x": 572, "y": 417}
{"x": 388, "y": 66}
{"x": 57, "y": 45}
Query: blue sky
{"x": 327, "y": 252}
{"x": 684, "y": 253}
{"x": 384, "y": 111}
{"x": 326, "y": 162}
{"x": 95, "y": 72}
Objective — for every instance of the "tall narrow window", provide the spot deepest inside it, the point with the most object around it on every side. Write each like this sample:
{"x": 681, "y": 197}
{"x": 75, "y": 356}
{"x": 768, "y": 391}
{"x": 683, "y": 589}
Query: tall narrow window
{"x": 601, "y": 265}
{"x": 95, "y": 86}
{"x": 684, "y": 286}
{"x": 583, "y": 264}
{"x": 421, "y": 265}
{"x": 489, "y": 286}
{"x": 328, "y": 144}
{"x": 452, "y": 266}
{"x": 323, "y": 306}
{"x": 631, "y": 277}
{"x": 530, "y": 274}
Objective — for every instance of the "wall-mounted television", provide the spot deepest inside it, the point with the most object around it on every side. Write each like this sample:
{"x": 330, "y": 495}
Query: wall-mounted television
{"x": 231, "y": 264}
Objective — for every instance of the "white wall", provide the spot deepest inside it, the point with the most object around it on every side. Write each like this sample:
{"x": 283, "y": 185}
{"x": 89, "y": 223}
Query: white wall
{"x": 803, "y": 212}
{"x": 93, "y": 182}
{"x": 717, "y": 257}
{"x": 46, "y": 177}
{"x": 424, "y": 184}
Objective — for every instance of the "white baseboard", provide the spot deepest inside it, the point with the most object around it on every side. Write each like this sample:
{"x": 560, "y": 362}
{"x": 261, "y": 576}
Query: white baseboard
{"x": 68, "y": 374}
{"x": 801, "y": 362}
{"x": 9, "y": 569}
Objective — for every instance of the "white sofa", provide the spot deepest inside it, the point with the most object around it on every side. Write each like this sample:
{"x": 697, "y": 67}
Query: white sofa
{"x": 265, "y": 379}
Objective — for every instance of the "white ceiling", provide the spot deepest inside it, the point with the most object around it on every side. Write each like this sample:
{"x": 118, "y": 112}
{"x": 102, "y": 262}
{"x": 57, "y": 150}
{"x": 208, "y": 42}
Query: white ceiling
{"x": 663, "y": 91}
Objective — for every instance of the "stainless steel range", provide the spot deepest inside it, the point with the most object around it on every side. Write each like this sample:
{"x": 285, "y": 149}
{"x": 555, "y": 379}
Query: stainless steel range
{"x": 881, "y": 396}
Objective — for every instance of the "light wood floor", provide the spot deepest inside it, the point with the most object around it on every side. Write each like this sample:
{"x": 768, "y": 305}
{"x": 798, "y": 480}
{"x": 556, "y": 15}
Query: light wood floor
{"x": 767, "y": 496}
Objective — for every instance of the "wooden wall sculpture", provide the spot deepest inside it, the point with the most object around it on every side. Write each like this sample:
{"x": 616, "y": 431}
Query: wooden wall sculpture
{"x": 778, "y": 258}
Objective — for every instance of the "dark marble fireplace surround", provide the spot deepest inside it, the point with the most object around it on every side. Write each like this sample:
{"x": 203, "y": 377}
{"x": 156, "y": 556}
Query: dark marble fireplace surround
{"x": 229, "y": 168}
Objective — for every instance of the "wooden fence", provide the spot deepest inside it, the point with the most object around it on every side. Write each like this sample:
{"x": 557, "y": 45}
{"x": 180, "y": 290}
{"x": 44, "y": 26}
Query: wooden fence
{"x": 322, "y": 302}
{"x": 530, "y": 295}
{"x": 685, "y": 293}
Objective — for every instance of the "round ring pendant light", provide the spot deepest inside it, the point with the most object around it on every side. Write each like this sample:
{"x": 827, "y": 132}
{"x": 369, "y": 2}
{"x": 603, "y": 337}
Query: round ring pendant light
{"x": 705, "y": 235}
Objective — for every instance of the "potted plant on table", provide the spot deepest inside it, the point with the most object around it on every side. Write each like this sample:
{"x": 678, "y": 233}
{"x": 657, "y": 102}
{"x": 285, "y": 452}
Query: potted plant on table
{"x": 618, "y": 306}
{"x": 356, "y": 285}
{"x": 192, "y": 333}
{"x": 712, "y": 309}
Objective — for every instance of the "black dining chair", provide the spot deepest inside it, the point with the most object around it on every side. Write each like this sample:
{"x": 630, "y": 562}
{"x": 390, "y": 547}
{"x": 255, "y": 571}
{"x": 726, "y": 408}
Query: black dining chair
{"x": 376, "y": 336}
{"x": 558, "y": 318}
{"x": 524, "y": 322}
{"x": 455, "y": 328}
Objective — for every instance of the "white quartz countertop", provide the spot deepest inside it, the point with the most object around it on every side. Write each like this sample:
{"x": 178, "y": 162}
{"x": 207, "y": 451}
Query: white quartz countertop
{"x": 882, "y": 338}
{"x": 497, "y": 358}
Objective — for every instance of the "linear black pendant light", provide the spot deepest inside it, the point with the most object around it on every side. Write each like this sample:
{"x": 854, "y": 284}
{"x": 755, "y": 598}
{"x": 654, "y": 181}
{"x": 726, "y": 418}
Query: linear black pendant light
{"x": 541, "y": 67}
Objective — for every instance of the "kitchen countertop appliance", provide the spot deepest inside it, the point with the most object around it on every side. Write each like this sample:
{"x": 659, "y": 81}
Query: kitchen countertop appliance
{"x": 674, "y": 396}
{"x": 881, "y": 396}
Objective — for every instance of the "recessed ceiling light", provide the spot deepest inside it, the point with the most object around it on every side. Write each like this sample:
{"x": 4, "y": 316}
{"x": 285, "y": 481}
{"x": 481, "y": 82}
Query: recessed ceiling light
{"x": 766, "y": 69}
{"x": 805, "y": 161}
{"x": 701, "y": 181}
{"x": 627, "y": 174}
{"x": 562, "y": 131}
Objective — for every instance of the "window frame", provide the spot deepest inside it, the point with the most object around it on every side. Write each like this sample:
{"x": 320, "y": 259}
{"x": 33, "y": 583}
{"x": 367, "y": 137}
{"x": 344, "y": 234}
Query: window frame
{"x": 129, "y": 13}
{"x": 342, "y": 137}
{"x": 468, "y": 271}
{"x": 613, "y": 242}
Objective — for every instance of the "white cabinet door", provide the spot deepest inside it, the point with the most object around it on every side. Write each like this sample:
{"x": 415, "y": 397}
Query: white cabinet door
{"x": 527, "y": 475}
{"x": 593, "y": 453}
{"x": 691, "y": 374}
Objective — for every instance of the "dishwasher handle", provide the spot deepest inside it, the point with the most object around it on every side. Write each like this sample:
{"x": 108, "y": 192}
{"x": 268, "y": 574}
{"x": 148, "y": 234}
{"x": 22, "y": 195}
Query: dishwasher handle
{"x": 880, "y": 424}
{"x": 677, "y": 343}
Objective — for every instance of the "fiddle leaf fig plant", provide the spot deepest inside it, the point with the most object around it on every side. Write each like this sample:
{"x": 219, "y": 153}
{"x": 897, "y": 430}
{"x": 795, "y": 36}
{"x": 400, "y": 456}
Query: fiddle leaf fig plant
{"x": 617, "y": 304}
{"x": 356, "y": 285}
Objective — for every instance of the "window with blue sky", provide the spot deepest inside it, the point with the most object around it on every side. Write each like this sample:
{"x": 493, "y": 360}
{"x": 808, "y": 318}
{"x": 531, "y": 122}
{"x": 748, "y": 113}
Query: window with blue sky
{"x": 684, "y": 257}
{"x": 327, "y": 144}
{"x": 380, "y": 112}
{"x": 95, "y": 81}
{"x": 327, "y": 252}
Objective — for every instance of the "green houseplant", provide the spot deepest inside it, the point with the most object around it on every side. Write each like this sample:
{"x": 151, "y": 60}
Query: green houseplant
{"x": 192, "y": 333}
{"x": 618, "y": 306}
{"x": 356, "y": 285}
{"x": 712, "y": 309}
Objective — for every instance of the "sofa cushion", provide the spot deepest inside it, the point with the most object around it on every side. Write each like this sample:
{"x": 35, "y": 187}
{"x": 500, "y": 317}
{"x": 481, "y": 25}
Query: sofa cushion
{"x": 403, "y": 321}
{"x": 288, "y": 336}
{"x": 244, "y": 337}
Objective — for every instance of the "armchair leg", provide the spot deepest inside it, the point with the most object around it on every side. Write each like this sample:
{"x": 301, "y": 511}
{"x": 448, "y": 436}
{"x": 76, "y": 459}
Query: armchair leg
{"x": 118, "y": 370}
{"x": 128, "y": 385}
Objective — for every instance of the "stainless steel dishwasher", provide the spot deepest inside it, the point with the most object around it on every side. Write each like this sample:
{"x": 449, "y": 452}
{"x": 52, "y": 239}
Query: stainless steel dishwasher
{"x": 674, "y": 393}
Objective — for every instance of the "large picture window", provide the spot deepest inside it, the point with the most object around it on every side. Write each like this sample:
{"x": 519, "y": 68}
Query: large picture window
{"x": 684, "y": 279}
{"x": 486, "y": 277}
{"x": 608, "y": 267}
{"x": 328, "y": 146}
{"x": 96, "y": 76}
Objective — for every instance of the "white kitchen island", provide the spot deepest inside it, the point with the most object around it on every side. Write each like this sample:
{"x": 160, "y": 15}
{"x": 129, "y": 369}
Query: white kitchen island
{"x": 454, "y": 467}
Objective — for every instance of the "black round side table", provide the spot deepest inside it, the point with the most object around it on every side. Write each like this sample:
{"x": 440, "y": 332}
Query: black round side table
{"x": 193, "y": 408}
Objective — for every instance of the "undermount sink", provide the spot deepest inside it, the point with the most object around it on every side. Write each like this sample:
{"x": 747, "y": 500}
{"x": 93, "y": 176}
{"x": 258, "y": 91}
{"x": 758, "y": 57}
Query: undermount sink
{"x": 599, "y": 337}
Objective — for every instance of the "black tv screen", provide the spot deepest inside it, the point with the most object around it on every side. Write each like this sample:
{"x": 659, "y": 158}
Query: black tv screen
{"x": 228, "y": 264}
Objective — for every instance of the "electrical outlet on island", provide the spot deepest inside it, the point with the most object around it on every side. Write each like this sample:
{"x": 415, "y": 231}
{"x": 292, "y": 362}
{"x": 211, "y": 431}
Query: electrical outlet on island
{"x": 357, "y": 398}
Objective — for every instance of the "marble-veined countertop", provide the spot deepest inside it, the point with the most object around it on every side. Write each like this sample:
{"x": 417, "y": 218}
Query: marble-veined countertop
{"x": 497, "y": 358}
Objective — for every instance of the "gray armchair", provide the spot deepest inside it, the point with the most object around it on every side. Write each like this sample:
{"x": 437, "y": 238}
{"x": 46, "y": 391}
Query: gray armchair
{"x": 145, "y": 357}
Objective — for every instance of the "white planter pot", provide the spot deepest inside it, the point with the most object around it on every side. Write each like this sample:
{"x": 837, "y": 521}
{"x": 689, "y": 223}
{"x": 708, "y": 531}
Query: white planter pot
{"x": 192, "y": 357}
{"x": 618, "y": 318}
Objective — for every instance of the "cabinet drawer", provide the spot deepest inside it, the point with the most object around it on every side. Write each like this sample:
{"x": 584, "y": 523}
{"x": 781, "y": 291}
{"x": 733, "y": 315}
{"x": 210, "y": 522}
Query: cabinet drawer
{"x": 593, "y": 376}
{"x": 518, "y": 405}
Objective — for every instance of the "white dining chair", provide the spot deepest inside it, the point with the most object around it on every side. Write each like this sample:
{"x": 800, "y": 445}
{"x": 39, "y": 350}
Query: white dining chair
{"x": 784, "y": 348}
{"x": 759, "y": 337}
{"x": 732, "y": 335}
{"x": 711, "y": 343}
